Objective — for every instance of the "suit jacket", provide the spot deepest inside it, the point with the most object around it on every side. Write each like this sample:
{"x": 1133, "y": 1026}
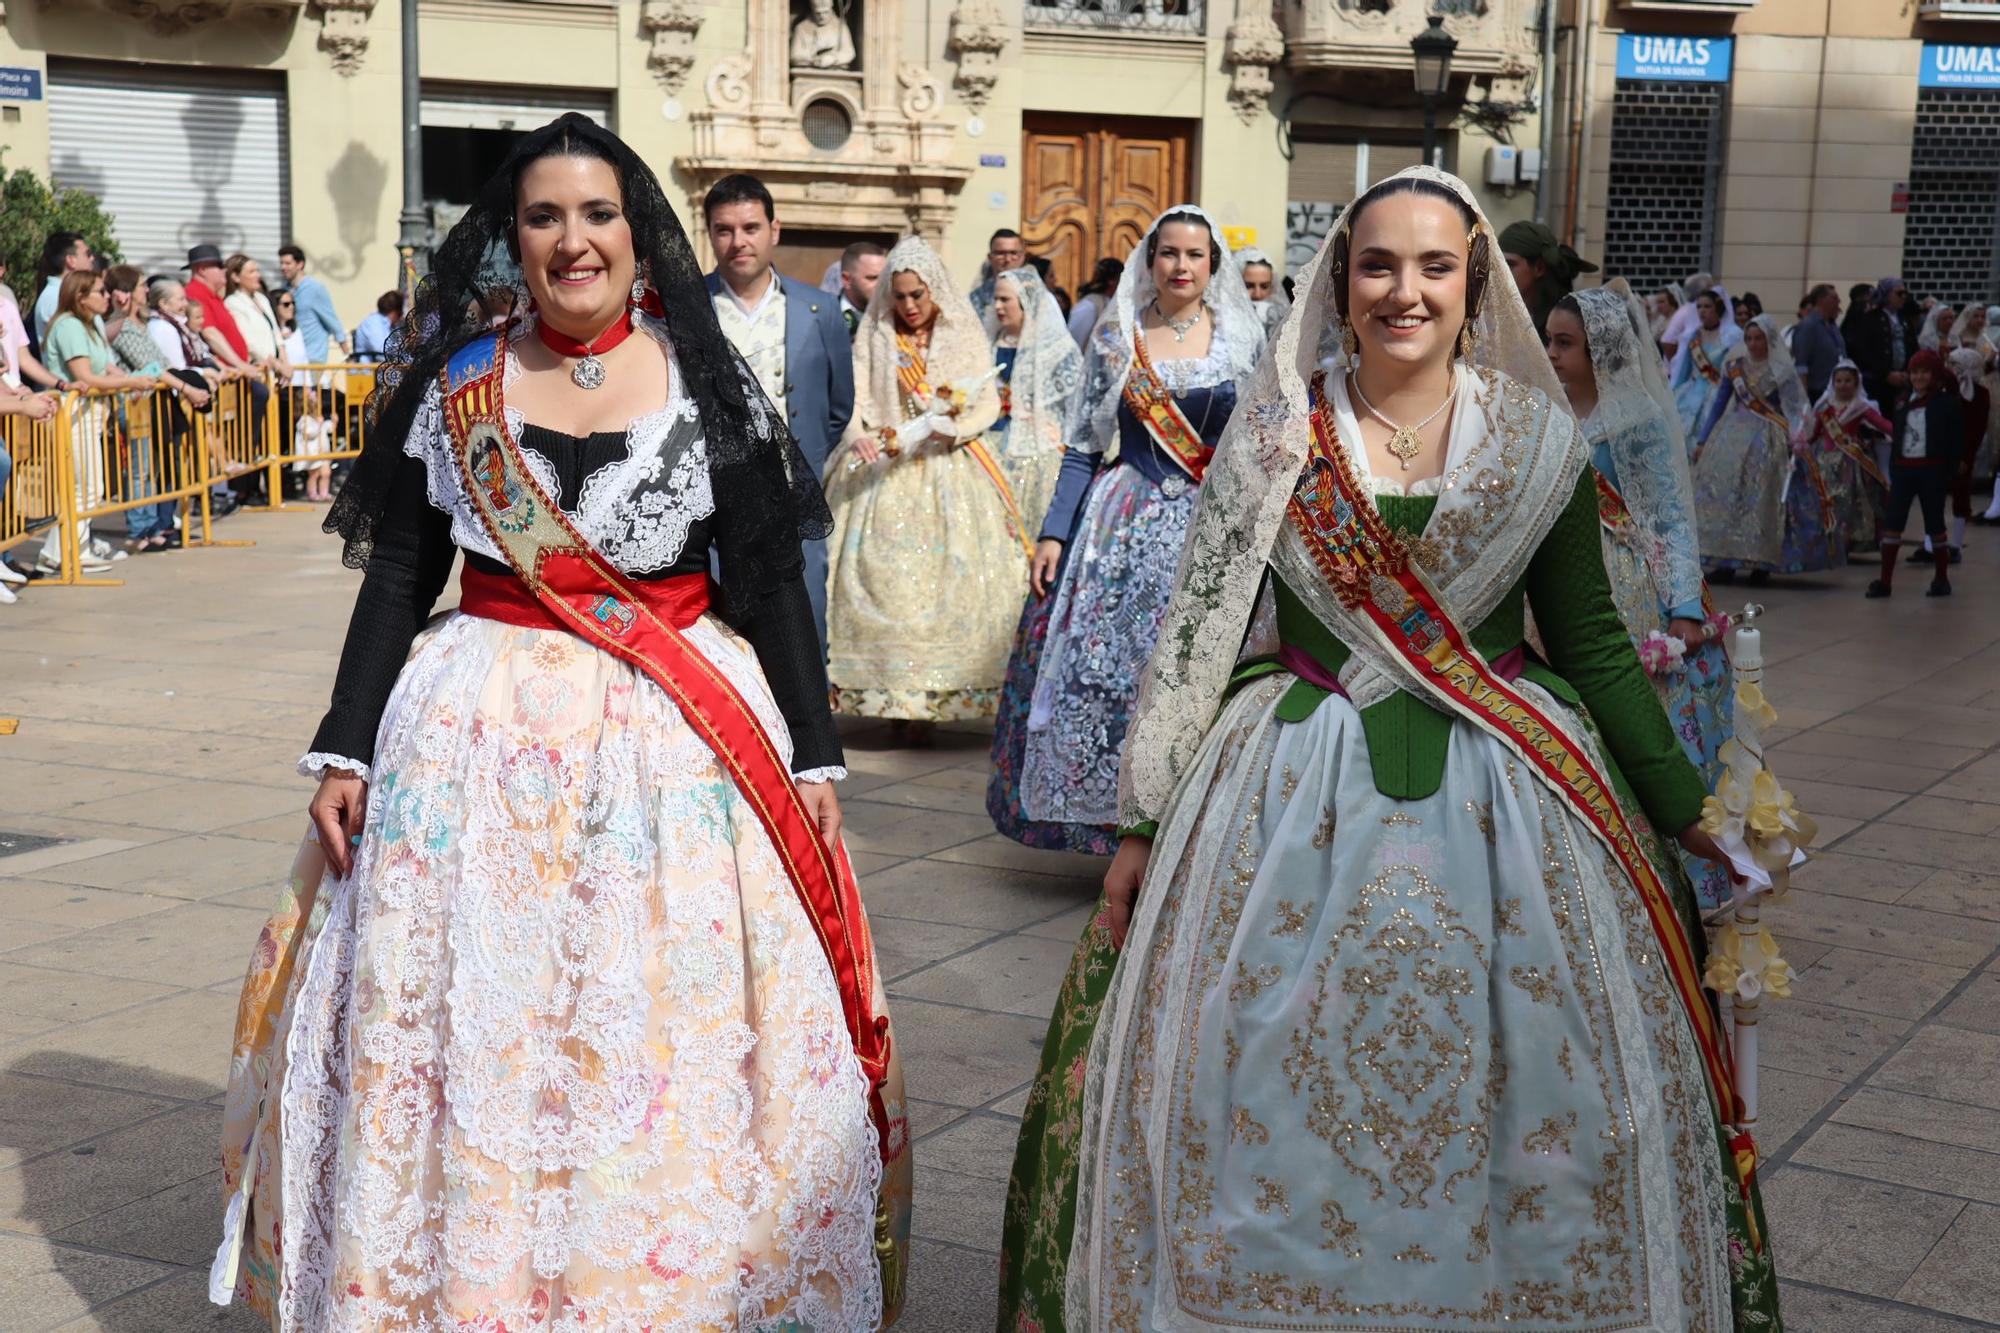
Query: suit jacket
{"x": 819, "y": 367}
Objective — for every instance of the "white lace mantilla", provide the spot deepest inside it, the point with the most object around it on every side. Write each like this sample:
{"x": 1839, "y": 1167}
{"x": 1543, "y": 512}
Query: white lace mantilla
{"x": 636, "y": 510}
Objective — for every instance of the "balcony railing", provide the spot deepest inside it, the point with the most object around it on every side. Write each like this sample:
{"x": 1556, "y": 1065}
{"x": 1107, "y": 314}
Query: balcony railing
{"x": 1157, "y": 17}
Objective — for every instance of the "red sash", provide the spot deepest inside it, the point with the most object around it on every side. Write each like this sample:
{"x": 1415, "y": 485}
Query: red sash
{"x": 1147, "y": 395}
{"x": 1739, "y": 383}
{"x": 583, "y": 593}
{"x": 1369, "y": 567}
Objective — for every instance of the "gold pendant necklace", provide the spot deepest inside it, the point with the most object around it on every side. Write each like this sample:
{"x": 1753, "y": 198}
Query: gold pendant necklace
{"x": 1406, "y": 442}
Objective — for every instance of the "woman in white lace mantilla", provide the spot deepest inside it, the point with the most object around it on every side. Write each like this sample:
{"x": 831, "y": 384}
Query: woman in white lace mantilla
{"x": 1407, "y": 1032}
{"x": 1160, "y": 378}
{"x": 927, "y": 561}
{"x": 545, "y": 1035}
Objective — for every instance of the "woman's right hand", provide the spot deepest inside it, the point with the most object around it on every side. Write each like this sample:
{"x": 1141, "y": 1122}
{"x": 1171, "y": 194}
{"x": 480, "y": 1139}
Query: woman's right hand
{"x": 1042, "y": 569}
{"x": 1122, "y": 881}
{"x": 867, "y": 448}
{"x": 336, "y": 809}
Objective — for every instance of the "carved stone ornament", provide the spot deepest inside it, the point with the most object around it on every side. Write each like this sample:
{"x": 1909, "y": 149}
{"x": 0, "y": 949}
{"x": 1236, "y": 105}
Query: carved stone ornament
{"x": 821, "y": 39}
{"x": 728, "y": 83}
{"x": 1252, "y": 46}
{"x": 921, "y": 94}
{"x": 978, "y": 36}
{"x": 671, "y": 27}
{"x": 343, "y": 32}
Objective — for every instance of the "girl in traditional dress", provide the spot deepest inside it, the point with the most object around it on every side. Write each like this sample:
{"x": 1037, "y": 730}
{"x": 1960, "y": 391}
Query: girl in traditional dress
{"x": 1601, "y": 346}
{"x": 581, "y": 1031}
{"x": 1159, "y": 385}
{"x": 1848, "y": 425}
{"x": 1407, "y": 1031}
{"x": 1743, "y": 465}
{"x": 1040, "y": 371}
{"x": 928, "y": 560}
{"x": 1696, "y": 373}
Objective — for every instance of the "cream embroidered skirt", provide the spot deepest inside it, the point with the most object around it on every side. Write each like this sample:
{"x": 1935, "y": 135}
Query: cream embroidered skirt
{"x": 564, "y": 1052}
{"x": 925, "y": 579}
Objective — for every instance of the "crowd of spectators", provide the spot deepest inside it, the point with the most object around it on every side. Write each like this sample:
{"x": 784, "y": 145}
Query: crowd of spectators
{"x": 160, "y": 348}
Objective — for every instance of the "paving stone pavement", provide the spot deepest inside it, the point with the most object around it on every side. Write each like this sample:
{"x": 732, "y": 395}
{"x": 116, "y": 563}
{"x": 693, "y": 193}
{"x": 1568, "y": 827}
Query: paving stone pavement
{"x": 160, "y": 721}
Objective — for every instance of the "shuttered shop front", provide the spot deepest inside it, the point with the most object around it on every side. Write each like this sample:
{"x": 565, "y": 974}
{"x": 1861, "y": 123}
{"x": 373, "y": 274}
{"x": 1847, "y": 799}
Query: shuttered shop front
{"x": 177, "y": 159}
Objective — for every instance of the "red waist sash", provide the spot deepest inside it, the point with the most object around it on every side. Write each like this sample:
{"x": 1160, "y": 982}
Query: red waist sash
{"x": 679, "y": 600}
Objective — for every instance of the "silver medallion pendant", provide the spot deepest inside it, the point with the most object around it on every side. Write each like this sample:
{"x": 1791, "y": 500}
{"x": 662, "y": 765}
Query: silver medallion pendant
{"x": 589, "y": 373}
{"x": 1173, "y": 486}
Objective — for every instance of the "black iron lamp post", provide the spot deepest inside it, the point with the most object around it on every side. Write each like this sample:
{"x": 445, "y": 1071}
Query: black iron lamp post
{"x": 413, "y": 234}
{"x": 1433, "y": 49}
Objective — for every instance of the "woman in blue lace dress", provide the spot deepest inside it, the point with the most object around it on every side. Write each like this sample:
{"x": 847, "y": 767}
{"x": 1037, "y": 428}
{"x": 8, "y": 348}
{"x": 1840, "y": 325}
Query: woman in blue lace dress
{"x": 1159, "y": 385}
{"x": 1601, "y": 348}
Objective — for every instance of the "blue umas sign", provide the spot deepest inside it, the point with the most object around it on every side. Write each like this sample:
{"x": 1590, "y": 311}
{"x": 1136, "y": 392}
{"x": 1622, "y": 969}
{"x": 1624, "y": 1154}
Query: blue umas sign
{"x": 1689, "y": 59}
{"x": 1952, "y": 65}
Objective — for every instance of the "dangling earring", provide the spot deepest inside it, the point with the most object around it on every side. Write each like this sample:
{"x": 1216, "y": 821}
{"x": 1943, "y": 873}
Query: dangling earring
{"x": 1467, "y": 341}
{"x": 638, "y": 290}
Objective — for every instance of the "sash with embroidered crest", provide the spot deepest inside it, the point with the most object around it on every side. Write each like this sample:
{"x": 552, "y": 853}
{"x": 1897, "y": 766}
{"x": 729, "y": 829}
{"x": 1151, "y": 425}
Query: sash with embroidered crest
{"x": 1369, "y": 567}
{"x": 1153, "y": 403}
{"x": 1841, "y": 438}
{"x": 913, "y": 377}
{"x": 595, "y": 601}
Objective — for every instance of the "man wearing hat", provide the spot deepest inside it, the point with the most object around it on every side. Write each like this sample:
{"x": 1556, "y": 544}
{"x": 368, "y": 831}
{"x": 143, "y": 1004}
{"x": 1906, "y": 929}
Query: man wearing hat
{"x": 1545, "y": 270}
{"x": 205, "y": 288}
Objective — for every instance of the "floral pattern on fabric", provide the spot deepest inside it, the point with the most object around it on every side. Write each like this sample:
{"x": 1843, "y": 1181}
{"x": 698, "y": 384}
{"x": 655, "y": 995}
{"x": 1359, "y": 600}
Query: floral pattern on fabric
{"x": 1010, "y": 741}
{"x": 566, "y": 1053}
{"x": 1117, "y": 578}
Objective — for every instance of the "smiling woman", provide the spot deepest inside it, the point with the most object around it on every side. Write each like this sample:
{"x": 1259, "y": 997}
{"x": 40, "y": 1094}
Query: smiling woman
{"x": 1408, "y": 1032}
{"x": 555, "y": 1038}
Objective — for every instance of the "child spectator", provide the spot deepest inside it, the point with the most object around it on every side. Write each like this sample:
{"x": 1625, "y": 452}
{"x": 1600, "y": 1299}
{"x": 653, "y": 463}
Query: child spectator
{"x": 1930, "y": 435}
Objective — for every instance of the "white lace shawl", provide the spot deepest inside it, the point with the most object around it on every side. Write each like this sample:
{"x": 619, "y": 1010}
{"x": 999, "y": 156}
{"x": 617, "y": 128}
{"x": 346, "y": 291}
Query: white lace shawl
{"x": 1501, "y": 492}
{"x": 1775, "y": 377}
{"x": 1048, "y": 367}
{"x": 1236, "y": 341}
{"x": 1637, "y": 422}
{"x": 958, "y": 354}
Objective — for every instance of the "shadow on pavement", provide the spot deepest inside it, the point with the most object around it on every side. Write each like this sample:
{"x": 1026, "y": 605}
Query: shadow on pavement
{"x": 117, "y": 1198}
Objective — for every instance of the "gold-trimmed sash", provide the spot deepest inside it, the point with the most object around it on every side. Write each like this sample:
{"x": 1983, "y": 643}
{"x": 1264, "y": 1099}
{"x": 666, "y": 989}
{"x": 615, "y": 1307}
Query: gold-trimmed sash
{"x": 1154, "y": 404}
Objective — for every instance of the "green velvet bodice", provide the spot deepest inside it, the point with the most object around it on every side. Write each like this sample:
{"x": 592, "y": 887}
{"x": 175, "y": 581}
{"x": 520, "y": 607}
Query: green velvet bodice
{"x": 1592, "y": 665}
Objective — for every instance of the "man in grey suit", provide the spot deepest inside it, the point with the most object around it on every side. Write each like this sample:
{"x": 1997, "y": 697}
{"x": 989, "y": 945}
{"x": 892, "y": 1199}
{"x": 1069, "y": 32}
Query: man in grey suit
{"x": 791, "y": 334}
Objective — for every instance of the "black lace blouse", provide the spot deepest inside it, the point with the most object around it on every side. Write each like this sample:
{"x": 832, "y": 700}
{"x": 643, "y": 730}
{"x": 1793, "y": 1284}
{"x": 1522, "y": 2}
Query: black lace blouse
{"x": 412, "y": 562}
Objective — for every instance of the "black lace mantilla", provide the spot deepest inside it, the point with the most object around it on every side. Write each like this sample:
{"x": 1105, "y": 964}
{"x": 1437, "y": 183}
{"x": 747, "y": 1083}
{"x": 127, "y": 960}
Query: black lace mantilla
{"x": 762, "y": 481}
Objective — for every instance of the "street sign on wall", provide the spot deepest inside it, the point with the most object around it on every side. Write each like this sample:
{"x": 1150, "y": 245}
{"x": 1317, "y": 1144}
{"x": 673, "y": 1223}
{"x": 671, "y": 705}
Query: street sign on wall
{"x": 1959, "y": 65}
{"x": 20, "y": 85}
{"x": 1686, "y": 59}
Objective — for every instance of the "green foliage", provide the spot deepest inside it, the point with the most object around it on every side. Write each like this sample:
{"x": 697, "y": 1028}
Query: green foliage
{"x": 30, "y": 210}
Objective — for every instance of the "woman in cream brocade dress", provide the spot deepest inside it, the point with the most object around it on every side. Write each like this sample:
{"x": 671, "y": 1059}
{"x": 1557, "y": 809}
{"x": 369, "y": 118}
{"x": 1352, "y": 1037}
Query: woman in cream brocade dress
{"x": 927, "y": 564}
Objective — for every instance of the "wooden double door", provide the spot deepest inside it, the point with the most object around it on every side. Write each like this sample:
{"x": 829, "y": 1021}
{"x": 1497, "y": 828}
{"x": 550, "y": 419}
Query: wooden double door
{"x": 1091, "y": 185}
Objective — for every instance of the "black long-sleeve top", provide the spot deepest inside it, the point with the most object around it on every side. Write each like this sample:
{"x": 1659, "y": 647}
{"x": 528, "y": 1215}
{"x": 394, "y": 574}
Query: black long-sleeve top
{"x": 412, "y": 562}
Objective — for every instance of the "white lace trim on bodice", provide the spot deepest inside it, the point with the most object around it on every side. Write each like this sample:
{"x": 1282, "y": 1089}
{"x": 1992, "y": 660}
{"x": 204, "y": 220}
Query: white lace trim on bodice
{"x": 637, "y": 510}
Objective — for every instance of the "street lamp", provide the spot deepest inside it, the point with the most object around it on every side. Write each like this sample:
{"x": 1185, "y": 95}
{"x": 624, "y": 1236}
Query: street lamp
{"x": 413, "y": 237}
{"x": 1433, "y": 48}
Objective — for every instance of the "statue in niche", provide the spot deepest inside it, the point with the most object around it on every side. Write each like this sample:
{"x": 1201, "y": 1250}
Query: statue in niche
{"x": 822, "y": 39}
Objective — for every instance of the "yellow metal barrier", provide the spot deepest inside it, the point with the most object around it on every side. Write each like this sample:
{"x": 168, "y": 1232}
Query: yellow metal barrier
{"x": 108, "y": 453}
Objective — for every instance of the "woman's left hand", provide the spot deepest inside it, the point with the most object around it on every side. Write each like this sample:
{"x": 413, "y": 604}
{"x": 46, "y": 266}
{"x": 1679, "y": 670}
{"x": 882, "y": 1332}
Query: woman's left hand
{"x": 1690, "y": 632}
{"x": 1697, "y": 842}
{"x": 822, "y": 807}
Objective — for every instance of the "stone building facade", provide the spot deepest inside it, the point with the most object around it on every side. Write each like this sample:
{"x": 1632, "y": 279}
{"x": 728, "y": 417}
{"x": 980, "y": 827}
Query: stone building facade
{"x": 252, "y": 122}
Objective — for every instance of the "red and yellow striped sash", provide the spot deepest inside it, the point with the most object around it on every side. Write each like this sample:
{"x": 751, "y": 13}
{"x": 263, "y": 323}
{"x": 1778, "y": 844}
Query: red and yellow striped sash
{"x": 1150, "y": 400}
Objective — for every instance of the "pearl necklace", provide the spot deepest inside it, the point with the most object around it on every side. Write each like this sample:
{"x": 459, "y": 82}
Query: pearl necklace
{"x": 1405, "y": 442}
